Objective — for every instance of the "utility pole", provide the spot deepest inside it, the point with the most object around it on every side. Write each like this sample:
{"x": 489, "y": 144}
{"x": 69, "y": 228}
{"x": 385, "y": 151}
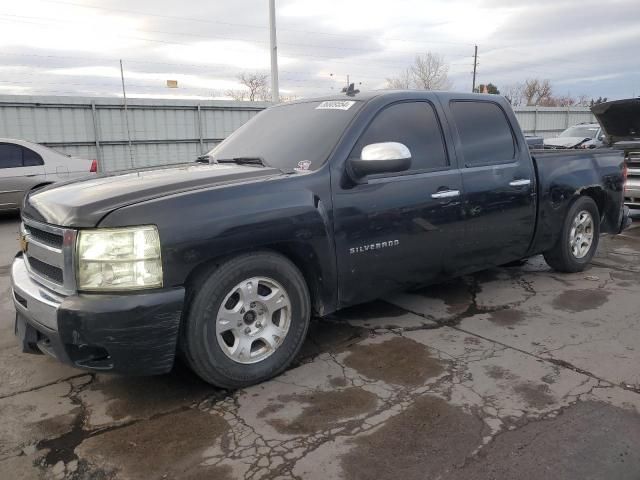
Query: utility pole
{"x": 475, "y": 67}
{"x": 126, "y": 114}
{"x": 275, "y": 91}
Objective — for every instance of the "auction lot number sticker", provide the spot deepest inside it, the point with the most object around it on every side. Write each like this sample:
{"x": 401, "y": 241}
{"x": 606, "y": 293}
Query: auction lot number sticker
{"x": 335, "y": 105}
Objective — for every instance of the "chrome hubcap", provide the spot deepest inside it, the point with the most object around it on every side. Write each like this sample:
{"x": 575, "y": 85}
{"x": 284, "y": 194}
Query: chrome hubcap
{"x": 253, "y": 320}
{"x": 581, "y": 235}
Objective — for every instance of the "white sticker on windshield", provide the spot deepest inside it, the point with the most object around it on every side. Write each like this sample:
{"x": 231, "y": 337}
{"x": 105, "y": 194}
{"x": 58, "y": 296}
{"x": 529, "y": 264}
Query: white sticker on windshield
{"x": 335, "y": 105}
{"x": 303, "y": 166}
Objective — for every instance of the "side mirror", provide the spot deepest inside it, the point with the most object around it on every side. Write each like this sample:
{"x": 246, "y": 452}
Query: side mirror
{"x": 384, "y": 157}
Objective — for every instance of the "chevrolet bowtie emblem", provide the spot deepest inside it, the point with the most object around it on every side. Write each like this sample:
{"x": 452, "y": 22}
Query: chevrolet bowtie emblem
{"x": 24, "y": 243}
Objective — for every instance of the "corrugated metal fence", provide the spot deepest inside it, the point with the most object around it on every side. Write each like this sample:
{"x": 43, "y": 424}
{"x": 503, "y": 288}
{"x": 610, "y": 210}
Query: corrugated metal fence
{"x": 549, "y": 121}
{"x": 168, "y": 131}
{"x": 162, "y": 131}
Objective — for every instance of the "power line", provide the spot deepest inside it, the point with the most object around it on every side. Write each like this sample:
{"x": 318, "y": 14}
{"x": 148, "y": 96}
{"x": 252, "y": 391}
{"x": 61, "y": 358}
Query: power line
{"x": 54, "y": 21}
{"x": 126, "y": 115}
{"x": 475, "y": 67}
{"x": 262, "y": 27}
{"x": 311, "y": 77}
{"x": 350, "y": 63}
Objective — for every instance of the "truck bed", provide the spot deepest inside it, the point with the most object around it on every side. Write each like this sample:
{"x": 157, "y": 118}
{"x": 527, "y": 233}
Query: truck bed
{"x": 562, "y": 174}
{"x": 572, "y": 152}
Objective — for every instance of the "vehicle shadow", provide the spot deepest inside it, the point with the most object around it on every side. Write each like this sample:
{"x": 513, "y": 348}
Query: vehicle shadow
{"x": 9, "y": 217}
{"x": 129, "y": 398}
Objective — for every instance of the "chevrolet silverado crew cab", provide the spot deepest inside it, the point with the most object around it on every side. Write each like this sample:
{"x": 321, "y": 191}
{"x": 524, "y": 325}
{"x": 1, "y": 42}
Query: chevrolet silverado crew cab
{"x": 310, "y": 207}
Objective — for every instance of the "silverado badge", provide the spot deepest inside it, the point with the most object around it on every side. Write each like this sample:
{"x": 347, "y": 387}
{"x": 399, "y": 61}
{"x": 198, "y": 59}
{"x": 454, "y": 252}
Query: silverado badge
{"x": 374, "y": 246}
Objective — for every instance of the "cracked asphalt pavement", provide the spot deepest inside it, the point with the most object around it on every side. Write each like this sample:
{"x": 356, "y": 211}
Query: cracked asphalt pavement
{"x": 515, "y": 372}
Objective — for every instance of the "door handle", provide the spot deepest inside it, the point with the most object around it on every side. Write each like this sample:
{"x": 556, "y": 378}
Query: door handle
{"x": 523, "y": 182}
{"x": 446, "y": 194}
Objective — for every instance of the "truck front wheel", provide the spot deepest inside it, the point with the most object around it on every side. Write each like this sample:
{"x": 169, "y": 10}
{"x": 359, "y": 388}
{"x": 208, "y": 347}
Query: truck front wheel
{"x": 579, "y": 238}
{"x": 247, "y": 320}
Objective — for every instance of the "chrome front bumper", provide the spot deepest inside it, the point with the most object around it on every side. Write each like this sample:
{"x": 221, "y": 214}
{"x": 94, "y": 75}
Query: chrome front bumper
{"x": 32, "y": 300}
{"x": 632, "y": 192}
{"x": 134, "y": 334}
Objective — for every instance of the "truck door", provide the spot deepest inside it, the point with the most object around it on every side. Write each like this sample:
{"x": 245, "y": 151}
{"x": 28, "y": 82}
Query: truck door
{"x": 499, "y": 184}
{"x": 398, "y": 230}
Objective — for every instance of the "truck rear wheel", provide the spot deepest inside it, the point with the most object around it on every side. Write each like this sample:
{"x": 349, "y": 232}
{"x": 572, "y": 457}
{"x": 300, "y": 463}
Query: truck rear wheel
{"x": 247, "y": 320}
{"x": 579, "y": 238}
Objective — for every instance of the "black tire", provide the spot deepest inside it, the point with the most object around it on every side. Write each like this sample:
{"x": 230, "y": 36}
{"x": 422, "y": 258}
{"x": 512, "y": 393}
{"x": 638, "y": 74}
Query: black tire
{"x": 199, "y": 343}
{"x": 560, "y": 257}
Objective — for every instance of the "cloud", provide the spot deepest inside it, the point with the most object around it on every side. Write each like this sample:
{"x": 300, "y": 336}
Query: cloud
{"x": 73, "y": 46}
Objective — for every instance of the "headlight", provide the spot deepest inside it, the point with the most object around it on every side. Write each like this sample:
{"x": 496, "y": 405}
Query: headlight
{"x": 119, "y": 259}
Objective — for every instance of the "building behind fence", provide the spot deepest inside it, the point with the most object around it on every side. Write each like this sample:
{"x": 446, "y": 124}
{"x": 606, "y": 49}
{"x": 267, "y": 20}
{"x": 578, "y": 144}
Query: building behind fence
{"x": 170, "y": 131}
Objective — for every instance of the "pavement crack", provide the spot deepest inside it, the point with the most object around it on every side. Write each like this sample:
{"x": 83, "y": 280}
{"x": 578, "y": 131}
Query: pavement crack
{"x": 62, "y": 448}
{"x": 44, "y": 385}
{"x": 554, "y": 361}
{"x": 612, "y": 267}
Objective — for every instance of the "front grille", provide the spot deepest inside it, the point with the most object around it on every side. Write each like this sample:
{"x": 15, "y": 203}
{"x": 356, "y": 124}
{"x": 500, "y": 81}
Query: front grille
{"x": 633, "y": 162}
{"x": 49, "y": 251}
{"x": 48, "y": 238}
{"x": 48, "y": 271}
{"x": 632, "y": 188}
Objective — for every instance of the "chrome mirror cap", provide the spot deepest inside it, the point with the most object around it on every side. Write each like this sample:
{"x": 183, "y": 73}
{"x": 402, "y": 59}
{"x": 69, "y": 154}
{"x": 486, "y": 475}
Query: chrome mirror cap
{"x": 377, "y": 158}
{"x": 385, "y": 151}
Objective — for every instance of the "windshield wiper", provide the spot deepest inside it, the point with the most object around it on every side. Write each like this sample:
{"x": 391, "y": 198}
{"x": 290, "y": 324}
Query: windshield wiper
{"x": 253, "y": 161}
{"x": 243, "y": 161}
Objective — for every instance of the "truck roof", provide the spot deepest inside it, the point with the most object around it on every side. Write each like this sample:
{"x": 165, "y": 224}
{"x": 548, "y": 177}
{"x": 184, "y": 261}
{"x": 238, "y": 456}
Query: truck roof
{"x": 368, "y": 95}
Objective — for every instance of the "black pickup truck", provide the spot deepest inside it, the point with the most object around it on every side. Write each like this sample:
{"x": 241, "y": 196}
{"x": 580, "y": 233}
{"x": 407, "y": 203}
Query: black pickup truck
{"x": 308, "y": 208}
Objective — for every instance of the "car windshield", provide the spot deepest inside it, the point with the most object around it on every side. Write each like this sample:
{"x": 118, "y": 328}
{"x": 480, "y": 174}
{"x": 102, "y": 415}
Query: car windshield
{"x": 290, "y": 136}
{"x": 580, "y": 131}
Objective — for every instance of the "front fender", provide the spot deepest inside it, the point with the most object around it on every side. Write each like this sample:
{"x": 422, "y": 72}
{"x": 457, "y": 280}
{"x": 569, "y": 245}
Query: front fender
{"x": 289, "y": 215}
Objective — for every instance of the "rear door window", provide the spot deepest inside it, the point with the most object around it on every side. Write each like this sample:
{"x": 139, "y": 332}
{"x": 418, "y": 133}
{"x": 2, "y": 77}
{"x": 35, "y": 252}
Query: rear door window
{"x": 10, "y": 155}
{"x": 485, "y": 133}
{"x": 31, "y": 158}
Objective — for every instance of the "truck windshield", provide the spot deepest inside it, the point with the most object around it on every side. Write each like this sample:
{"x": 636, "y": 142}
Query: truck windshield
{"x": 580, "y": 132}
{"x": 290, "y": 136}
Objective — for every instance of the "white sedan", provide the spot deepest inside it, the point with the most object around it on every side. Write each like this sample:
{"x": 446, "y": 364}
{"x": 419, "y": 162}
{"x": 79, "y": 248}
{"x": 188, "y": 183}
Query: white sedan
{"x": 26, "y": 165}
{"x": 583, "y": 135}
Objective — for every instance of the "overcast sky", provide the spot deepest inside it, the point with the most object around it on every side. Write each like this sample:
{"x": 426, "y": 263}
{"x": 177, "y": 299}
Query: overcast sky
{"x": 72, "y": 47}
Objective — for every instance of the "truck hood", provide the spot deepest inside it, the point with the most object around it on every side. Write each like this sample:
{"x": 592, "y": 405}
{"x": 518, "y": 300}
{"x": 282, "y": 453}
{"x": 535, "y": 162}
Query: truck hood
{"x": 84, "y": 203}
{"x": 619, "y": 119}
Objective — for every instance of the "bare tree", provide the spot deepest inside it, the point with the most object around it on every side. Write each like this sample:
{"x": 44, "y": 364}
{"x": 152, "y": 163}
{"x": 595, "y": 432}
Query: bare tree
{"x": 514, "y": 94}
{"x": 537, "y": 92}
{"x": 404, "y": 81}
{"x": 257, "y": 84}
{"x": 428, "y": 72}
{"x": 238, "y": 95}
{"x": 256, "y": 88}
{"x": 565, "y": 101}
{"x": 582, "y": 101}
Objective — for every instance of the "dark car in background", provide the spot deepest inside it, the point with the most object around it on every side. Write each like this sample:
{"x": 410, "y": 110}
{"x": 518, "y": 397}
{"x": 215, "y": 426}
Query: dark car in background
{"x": 535, "y": 142}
